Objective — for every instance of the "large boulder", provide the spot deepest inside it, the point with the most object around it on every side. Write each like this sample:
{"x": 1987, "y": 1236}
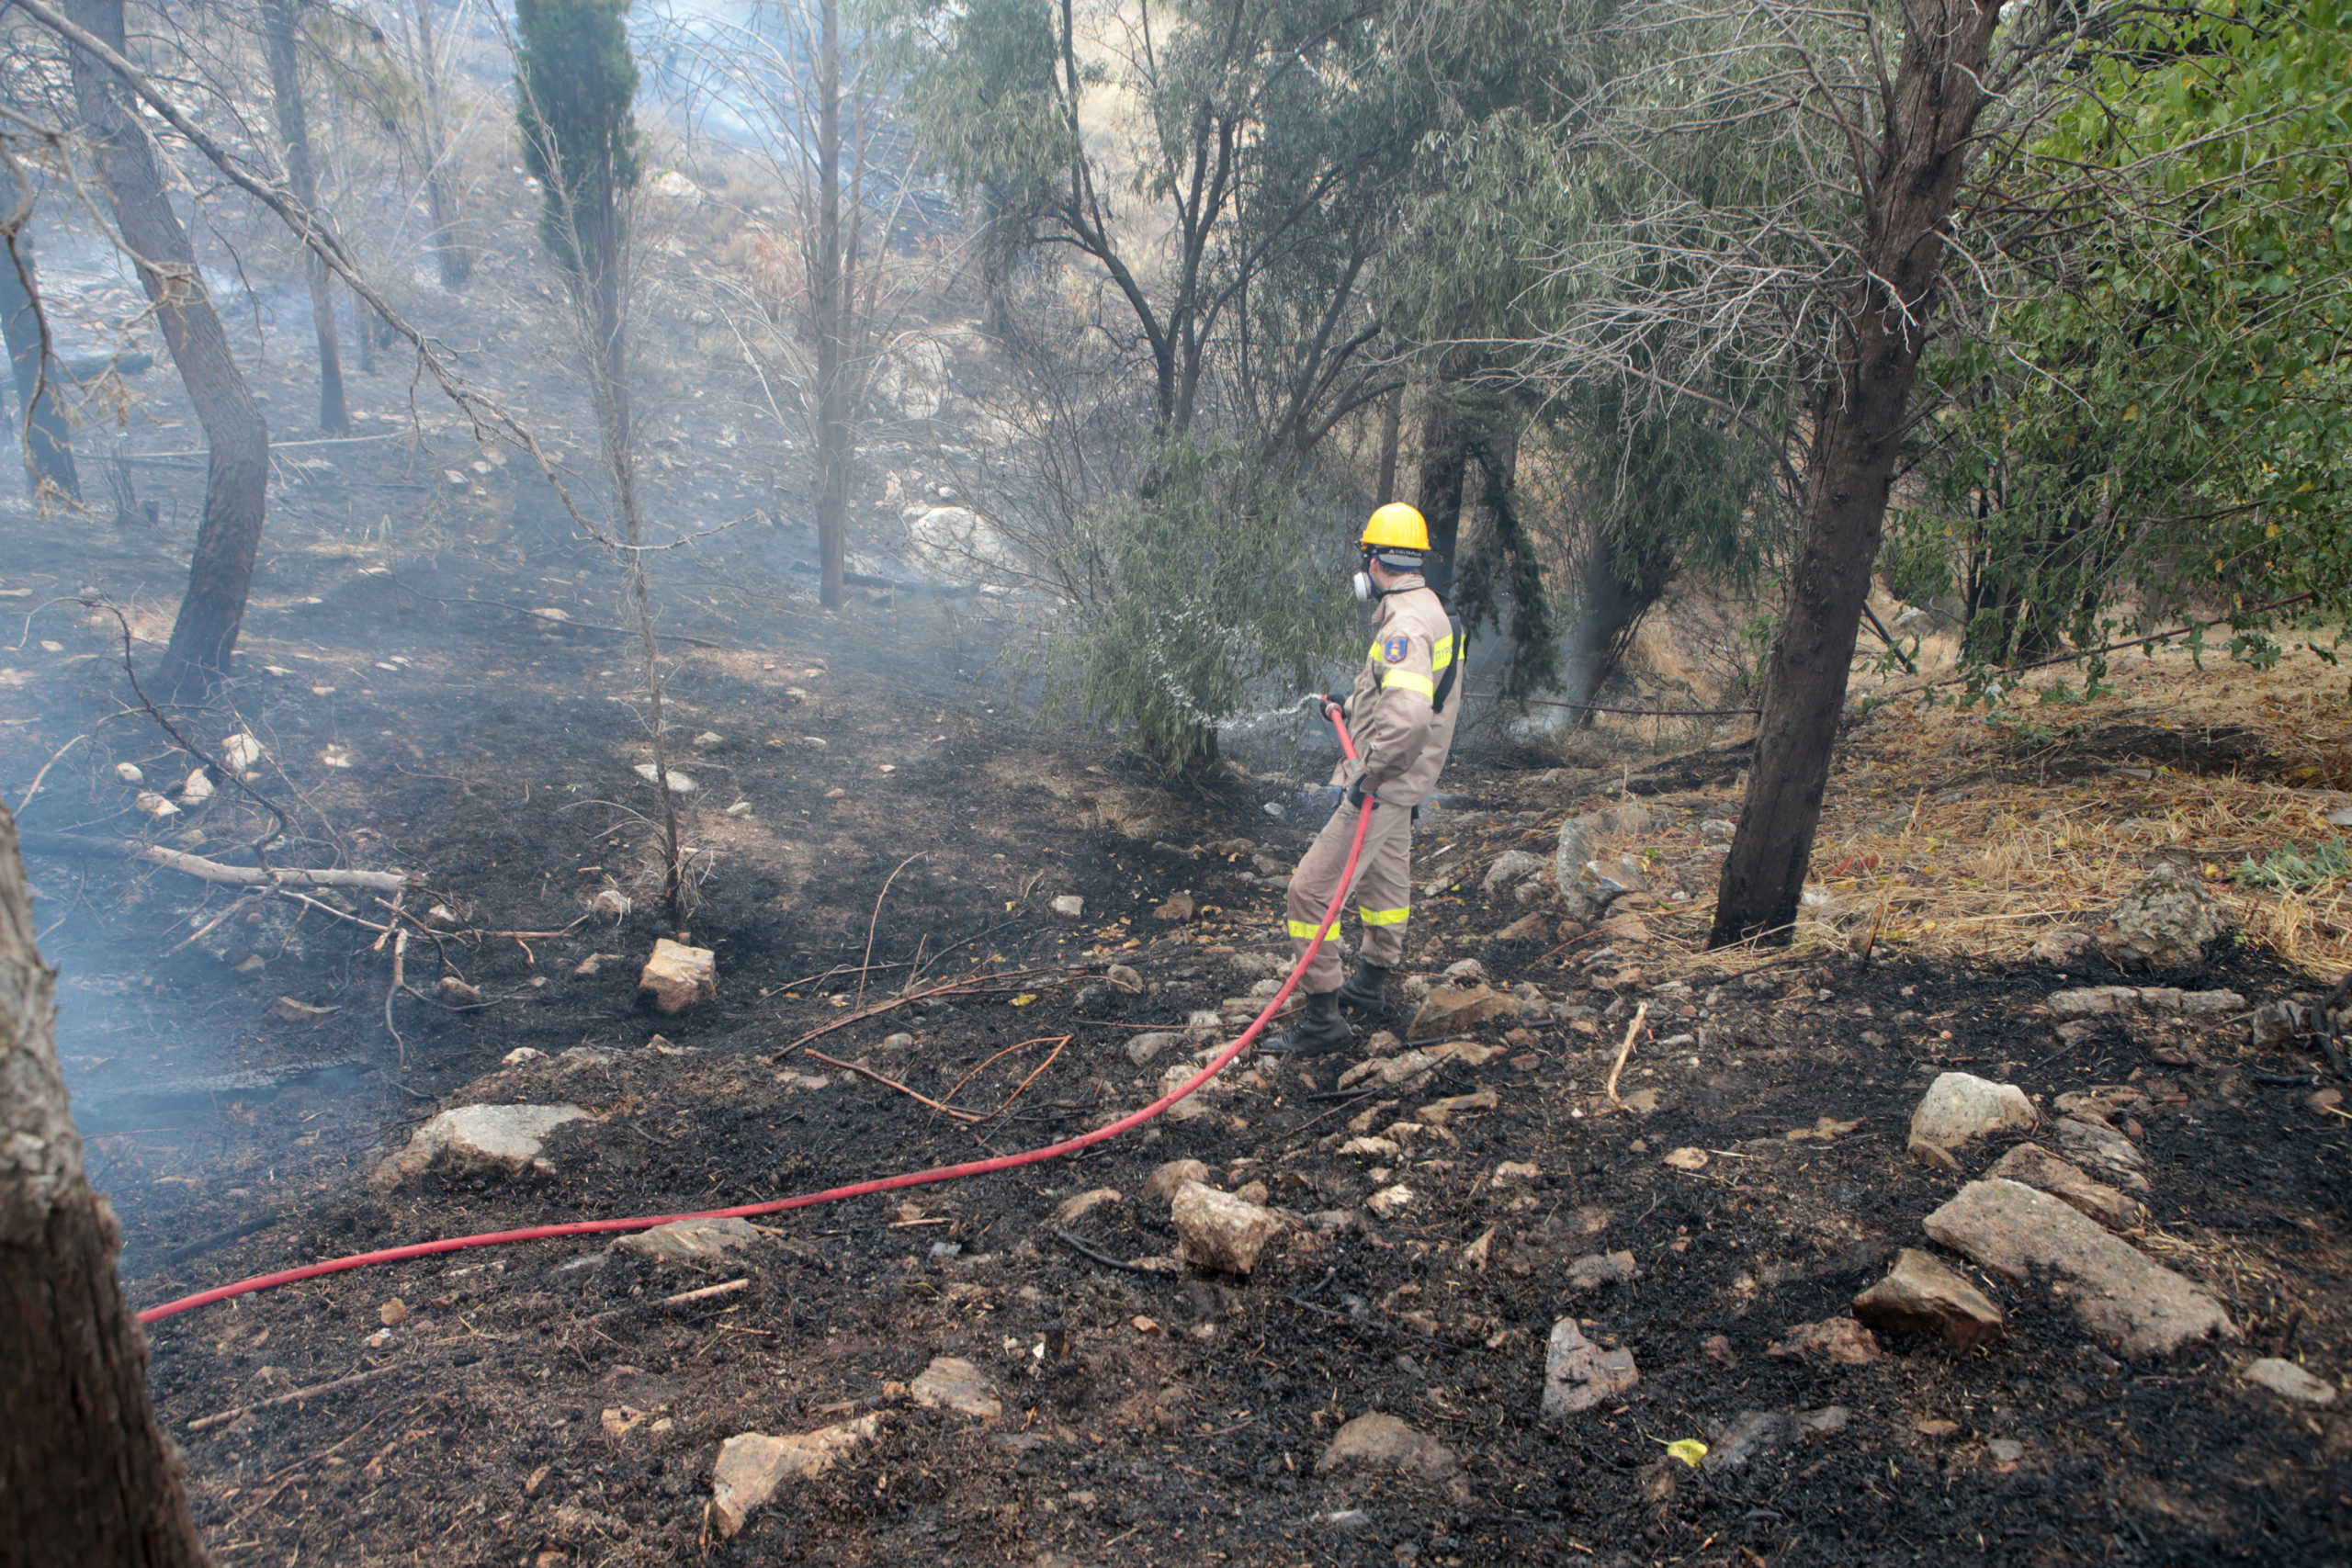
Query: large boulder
{"x": 2015, "y": 1231}
{"x": 2037, "y": 1167}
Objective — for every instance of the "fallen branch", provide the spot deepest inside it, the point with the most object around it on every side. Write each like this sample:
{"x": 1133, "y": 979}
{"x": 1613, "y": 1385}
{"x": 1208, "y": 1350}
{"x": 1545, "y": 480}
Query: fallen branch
{"x": 893, "y": 1083}
{"x": 684, "y": 1298}
{"x": 975, "y": 985}
{"x": 1104, "y": 1259}
{"x": 334, "y": 1385}
{"x": 34, "y": 788}
{"x": 875, "y": 919}
{"x": 399, "y": 958}
{"x": 212, "y": 870}
{"x": 1624, "y": 1050}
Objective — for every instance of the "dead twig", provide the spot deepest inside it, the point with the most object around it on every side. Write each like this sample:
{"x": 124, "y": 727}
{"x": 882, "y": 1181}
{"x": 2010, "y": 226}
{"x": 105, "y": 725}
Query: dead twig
{"x": 333, "y": 1385}
{"x": 399, "y": 959}
{"x": 1625, "y": 1050}
{"x": 971, "y": 986}
{"x": 34, "y": 788}
{"x": 893, "y": 1083}
{"x": 875, "y": 918}
{"x": 1104, "y": 1259}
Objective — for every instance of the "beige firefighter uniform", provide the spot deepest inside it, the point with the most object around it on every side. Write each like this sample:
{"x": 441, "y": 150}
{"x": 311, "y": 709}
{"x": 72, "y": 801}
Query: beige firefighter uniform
{"x": 1403, "y": 742}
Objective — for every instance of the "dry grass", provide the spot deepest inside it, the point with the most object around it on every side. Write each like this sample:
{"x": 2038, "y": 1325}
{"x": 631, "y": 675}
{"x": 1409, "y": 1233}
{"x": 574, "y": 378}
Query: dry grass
{"x": 1973, "y": 833}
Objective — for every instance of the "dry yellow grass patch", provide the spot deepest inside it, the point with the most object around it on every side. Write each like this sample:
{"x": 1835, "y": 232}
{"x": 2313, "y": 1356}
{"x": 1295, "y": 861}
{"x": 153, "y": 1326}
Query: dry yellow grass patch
{"x": 1971, "y": 833}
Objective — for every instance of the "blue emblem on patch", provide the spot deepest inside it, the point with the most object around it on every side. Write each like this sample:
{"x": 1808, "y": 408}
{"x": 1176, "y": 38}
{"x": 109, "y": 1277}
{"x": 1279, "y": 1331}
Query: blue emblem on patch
{"x": 1392, "y": 650}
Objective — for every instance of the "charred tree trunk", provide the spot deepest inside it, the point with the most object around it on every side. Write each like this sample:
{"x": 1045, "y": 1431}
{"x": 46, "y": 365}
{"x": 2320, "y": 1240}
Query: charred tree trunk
{"x": 455, "y": 264}
{"x": 237, "y": 476}
{"x": 1920, "y": 157}
{"x": 294, "y": 129}
{"x": 1392, "y": 419}
{"x": 829, "y": 297}
{"x": 90, "y": 1479}
{"x": 1446, "y": 441}
{"x": 48, "y": 442}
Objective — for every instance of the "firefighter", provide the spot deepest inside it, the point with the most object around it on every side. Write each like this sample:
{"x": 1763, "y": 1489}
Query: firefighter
{"x": 1401, "y": 715}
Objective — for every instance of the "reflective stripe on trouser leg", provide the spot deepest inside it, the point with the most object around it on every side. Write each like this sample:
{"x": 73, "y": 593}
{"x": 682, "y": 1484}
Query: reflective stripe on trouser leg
{"x": 1318, "y": 876}
{"x": 1383, "y": 891}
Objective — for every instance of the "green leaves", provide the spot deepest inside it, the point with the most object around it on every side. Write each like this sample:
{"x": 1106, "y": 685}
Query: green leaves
{"x": 575, "y": 83}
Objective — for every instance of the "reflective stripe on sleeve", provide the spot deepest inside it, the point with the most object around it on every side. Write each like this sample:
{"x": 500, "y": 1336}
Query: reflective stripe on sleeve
{"x": 1303, "y": 931}
{"x": 1411, "y": 682}
{"x": 1441, "y": 654}
{"x": 1382, "y": 917}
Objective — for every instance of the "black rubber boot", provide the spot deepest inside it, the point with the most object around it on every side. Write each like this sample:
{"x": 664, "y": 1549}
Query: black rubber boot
{"x": 1319, "y": 1031}
{"x": 1364, "y": 994}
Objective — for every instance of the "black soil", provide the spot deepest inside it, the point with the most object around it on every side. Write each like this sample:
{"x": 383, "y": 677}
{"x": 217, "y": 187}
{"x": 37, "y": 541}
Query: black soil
{"x": 543, "y": 1404}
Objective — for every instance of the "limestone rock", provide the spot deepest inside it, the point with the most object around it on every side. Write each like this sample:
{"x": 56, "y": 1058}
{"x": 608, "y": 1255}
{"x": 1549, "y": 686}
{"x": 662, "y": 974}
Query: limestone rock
{"x": 2167, "y": 920}
{"x": 1070, "y": 905}
{"x": 951, "y": 1382}
{"x": 2096, "y": 1144}
{"x": 1390, "y": 1202}
{"x": 1380, "y": 1441}
{"x": 2084, "y": 1002}
{"x": 486, "y": 1139}
{"x": 753, "y": 1466}
{"x": 2063, "y": 949}
{"x": 1840, "y": 1341}
{"x": 1161, "y": 1185}
{"x": 1216, "y": 1230}
{"x": 1579, "y": 1374}
{"x": 2013, "y": 1230}
{"x": 2037, "y": 1167}
{"x": 690, "y": 1241}
{"x": 1070, "y": 1211}
{"x": 1144, "y": 1047}
{"x": 1510, "y": 867}
{"x": 1450, "y": 1009}
{"x": 1745, "y": 1436}
{"x": 678, "y": 976}
{"x": 1961, "y": 1106}
{"x": 1409, "y": 1067}
{"x": 2289, "y": 1380}
{"x": 1178, "y": 907}
{"x": 1921, "y": 1295}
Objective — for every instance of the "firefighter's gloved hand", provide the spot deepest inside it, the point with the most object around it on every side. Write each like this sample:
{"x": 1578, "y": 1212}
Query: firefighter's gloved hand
{"x": 1358, "y": 795}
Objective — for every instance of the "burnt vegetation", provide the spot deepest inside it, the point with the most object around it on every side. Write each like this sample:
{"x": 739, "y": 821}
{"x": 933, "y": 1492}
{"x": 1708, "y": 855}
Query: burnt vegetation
{"x": 628, "y": 609}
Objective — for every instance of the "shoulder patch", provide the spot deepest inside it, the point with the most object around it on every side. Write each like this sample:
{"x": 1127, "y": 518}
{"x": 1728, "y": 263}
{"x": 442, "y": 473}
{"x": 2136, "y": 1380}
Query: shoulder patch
{"x": 1392, "y": 650}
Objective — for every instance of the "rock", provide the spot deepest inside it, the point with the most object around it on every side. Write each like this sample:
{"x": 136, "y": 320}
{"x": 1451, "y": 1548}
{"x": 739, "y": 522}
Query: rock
{"x": 1579, "y": 1374}
{"x": 899, "y": 1042}
{"x": 2012, "y": 1230}
{"x": 1161, "y": 1185}
{"x": 1450, "y": 1009}
{"x": 1465, "y": 971}
{"x": 1178, "y": 907}
{"x": 1441, "y": 1112}
{"x": 1216, "y": 1230}
{"x": 1371, "y": 1148}
{"x": 1512, "y": 1170}
{"x": 1390, "y": 1202}
{"x": 1144, "y": 1047}
{"x": 129, "y": 773}
{"x": 1921, "y": 1295}
{"x": 521, "y": 1056}
{"x": 1124, "y": 977}
{"x": 2067, "y": 949}
{"x": 1960, "y": 1106}
{"x": 609, "y": 901}
{"x": 1745, "y": 1436}
{"x": 753, "y": 1466}
{"x": 2096, "y": 1144}
{"x": 196, "y": 788}
{"x": 1685, "y": 1158}
{"x": 2276, "y": 1023}
{"x": 2166, "y": 921}
{"x": 1825, "y": 1422}
{"x": 1070, "y": 905}
{"x": 690, "y": 1241}
{"x": 392, "y": 1314}
{"x": 1380, "y": 1441}
{"x": 2037, "y": 1167}
{"x": 1511, "y": 867}
{"x": 2085, "y": 1002}
{"x": 1536, "y": 927}
{"x": 679, "y": 783}
{"x": 1840, "y": 1341}
{"x": 241, "y": 752}
{"x": 1070, "y": 1211}
{"x": 951, "y": 1382}
{"x": 154, "y": 805}
{"x": 1716, "y": 831}
{"x": 679, "y": 975}
{"x": 1595, "y": 1270}
{"x": 1410, "y": 1067}
{"x": 486, "y": 1139}
{"x": 709, "y": 741}
{"x": 1717, "y": 1348}
{"x": 1175, "y": 1075}
{"x": 1569, "y": 853}
{"x": 2289, "y": 1380}
{"x": 458, "y": 993}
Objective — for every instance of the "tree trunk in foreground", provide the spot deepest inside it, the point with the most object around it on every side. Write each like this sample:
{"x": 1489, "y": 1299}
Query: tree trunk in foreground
{"x": 89, "y": 1479}
{"x": 237, "y": 477}
{"x": 1913, "y": 182}
{"x": 1446, "y": 440}
{"x": 48, "y": 449}
{"x": 830, "y": 295}
{"x": 456, "y": 262}
{"x": 294, "y": 129}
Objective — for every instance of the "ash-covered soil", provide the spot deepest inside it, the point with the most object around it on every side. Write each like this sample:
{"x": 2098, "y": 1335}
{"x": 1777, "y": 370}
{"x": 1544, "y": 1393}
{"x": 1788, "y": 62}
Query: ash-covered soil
{"x": 551, "y": 1403}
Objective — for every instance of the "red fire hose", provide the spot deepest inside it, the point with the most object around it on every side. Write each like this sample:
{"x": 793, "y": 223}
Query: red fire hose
{"x": 832, "y": 1195}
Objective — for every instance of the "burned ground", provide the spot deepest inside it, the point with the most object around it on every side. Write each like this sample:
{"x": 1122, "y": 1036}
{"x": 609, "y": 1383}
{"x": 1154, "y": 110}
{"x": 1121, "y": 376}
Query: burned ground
{"x": 547, "y": 1404}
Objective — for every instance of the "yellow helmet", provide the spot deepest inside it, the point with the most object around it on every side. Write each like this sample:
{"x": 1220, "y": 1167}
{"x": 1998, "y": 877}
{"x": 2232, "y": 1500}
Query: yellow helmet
{"x": 1396, "y": 527}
